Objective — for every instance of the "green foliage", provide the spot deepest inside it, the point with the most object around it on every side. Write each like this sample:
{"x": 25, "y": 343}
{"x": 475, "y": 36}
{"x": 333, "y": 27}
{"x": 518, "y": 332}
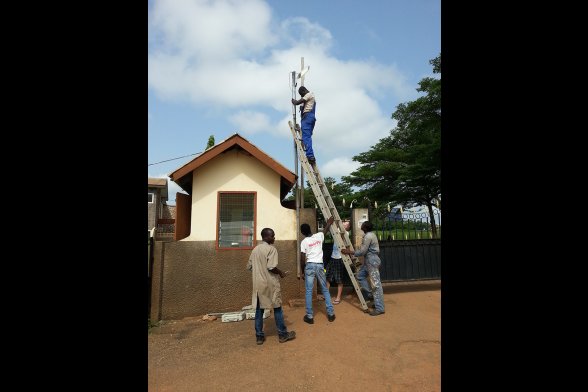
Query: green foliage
{"x": 210, "y": 142}
{"x": 405, "y": 167}
{"x": 338, "y": 192}
{"x": 151, "y": 325}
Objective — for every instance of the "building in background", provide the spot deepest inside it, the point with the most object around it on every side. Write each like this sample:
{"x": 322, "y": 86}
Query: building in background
{"x": 161, "y": 216}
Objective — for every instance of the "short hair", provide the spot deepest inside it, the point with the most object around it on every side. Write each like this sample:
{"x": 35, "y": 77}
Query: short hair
{"x": 305, "y": 229}
{"x": 302, "y": 90}
{"x": 368, "y": 226}
{"x": 265, "y": 232}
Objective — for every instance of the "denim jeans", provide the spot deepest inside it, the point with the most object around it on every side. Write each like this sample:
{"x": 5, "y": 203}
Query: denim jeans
{"x": 307, "y": 126}
{"x": 372, "y": 269}
{"x": 278, "y": 316}
{"x": 312, "y": 270}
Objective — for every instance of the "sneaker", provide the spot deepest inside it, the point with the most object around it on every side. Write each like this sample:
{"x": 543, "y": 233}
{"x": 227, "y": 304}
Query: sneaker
{"x": 289, "y": 336}
{"x": 375, "y": 313}
{"x": 308, "y": 319}
{"x": 260, "y": 339}
{"x": 331, "y": 317}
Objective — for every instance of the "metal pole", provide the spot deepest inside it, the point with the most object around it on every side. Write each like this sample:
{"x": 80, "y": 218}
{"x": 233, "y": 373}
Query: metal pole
{"x": 297, "y": 185}
{"x": 302, "y": 171}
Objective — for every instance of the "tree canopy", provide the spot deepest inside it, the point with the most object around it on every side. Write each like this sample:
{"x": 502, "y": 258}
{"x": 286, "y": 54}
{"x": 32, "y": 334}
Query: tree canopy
{"x": 405, "y": 167}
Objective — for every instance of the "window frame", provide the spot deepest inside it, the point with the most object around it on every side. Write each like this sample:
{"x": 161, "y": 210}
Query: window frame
{"x": 152, "y": 198}
{"x": 254, "y": 237}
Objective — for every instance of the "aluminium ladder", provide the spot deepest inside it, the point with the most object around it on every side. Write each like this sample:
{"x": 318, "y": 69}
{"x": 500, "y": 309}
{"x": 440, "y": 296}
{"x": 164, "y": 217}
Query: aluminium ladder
{"x": 324, "y": 200}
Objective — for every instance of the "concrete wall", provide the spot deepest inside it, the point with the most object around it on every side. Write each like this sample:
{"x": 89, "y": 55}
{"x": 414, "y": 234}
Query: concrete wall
{"x": 191, "y": 278}
{"x": 168, "y": 212}
{"x": 238, "y": 172}
{"x": 358, "y": 216}
{"x": 152, "y": 208}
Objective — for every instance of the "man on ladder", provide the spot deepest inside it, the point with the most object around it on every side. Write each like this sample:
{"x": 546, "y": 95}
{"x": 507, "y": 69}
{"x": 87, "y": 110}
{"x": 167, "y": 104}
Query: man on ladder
{"x": 307, "y": 121}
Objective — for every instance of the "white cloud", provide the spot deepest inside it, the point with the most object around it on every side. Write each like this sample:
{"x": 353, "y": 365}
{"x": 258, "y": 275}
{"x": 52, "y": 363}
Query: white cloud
{"x": 337, "y": 167}
{"x": 232, "y": 54}
{"x": 203, "y": 29}
{"x": 249, "y": 122}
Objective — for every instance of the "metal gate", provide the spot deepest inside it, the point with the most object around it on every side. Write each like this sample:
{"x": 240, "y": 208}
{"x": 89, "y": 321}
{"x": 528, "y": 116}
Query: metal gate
{"x": 404, "y": 260}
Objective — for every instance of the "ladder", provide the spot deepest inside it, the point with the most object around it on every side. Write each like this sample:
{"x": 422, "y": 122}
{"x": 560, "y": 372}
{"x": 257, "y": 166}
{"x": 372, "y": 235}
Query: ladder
{"x": 324, "y": 200}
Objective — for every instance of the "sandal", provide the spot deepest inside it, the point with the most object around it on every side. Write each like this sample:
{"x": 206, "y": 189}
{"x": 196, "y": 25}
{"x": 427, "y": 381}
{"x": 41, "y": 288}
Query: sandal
{"x": 336, "y": 302}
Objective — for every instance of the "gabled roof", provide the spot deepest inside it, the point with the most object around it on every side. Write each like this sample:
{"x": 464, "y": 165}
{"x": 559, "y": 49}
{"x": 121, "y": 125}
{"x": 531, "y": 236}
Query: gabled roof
{"x": 183, "y": 175}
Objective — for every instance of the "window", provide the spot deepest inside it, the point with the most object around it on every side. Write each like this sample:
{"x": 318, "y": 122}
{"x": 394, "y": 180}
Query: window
{"x": 236, "y": 220}
{"x": 149, "y": 198}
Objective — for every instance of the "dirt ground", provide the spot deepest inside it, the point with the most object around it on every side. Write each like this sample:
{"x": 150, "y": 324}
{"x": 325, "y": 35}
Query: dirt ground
{"x": 398, "y": 351}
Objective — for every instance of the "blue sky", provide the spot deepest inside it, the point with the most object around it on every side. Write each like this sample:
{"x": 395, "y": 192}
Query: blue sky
{"x": 224, "y": 67}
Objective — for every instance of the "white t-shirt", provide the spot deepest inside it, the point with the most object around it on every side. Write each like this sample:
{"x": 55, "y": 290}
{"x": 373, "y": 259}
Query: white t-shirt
{"x": 313, "y": 247}
{"x": 309, "y": 98}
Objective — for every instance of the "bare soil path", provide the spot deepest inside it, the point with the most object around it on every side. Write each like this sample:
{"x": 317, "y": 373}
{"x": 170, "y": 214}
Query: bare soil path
{"x": 398, "y": 351}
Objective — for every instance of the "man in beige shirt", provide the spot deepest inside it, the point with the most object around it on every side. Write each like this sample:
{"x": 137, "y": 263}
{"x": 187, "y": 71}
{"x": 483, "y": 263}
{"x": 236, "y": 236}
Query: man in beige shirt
{"x": 267, "y": 293}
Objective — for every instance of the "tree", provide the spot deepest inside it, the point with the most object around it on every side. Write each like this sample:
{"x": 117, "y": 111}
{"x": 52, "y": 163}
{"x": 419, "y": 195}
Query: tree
{"x": 210, "y": 142}
{"x": 405, "y": 167}
{"x": 338, "y": 192}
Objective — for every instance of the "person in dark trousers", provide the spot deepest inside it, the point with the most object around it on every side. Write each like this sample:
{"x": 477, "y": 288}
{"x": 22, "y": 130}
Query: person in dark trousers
{"x": 334, "y": 266}
{"x": 267, "y": 293}
{"x": 370, "y": 248}
{"x": 311, "y": 262}
{"x": 308, "y": 120}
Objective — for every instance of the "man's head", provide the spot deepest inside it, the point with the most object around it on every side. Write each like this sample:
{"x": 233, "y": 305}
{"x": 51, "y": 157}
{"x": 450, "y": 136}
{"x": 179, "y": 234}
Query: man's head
{"x": 366, "y": 226}
{"x": 303, "y": 91}
{"x": 305, "y": 229}
{"x": 268, "y": 235}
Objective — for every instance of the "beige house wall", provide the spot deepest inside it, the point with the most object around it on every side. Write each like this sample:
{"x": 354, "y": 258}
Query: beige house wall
{"x": 238, "y": 172}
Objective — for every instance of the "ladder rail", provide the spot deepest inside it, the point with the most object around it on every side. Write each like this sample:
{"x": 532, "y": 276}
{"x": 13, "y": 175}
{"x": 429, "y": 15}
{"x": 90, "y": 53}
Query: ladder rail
{"x": 329, "y": 210}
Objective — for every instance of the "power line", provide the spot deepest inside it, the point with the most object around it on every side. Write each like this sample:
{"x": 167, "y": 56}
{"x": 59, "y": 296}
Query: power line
{"x": 173, "y": 159}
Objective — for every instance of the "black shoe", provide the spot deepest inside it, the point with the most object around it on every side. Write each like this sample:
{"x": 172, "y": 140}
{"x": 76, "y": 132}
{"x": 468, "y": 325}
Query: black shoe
{"x": 289, "y": 336}
{"x": 260, "y": 339}
{"x": 308, "y": 320}
{"x": 312, "y": 161}
{"x": 331, "y": 317}
{"x": 375, "y": 313}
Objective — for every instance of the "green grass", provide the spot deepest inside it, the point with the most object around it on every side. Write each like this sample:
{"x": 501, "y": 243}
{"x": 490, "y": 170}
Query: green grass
{"x": 151, "y": 325}
{"x": 384, "y": 235}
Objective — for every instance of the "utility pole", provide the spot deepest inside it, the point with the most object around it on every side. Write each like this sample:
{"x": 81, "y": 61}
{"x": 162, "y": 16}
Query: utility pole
{"x": 300, "y": 182}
